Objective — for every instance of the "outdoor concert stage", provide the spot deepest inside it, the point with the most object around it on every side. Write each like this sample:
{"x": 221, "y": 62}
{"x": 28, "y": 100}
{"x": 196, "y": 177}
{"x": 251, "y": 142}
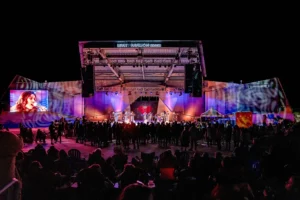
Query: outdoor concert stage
{"x": 262, "y": 98}
{"x": 116, "y": 74}
{"x": 70, "y": 143}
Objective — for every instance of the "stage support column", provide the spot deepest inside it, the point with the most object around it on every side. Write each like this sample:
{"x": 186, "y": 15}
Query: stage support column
{"x": 201, "y": 56}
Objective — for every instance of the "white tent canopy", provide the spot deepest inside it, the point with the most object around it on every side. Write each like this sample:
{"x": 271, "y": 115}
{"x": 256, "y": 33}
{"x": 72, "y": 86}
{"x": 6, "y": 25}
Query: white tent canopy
{"x": 212, "y": 113}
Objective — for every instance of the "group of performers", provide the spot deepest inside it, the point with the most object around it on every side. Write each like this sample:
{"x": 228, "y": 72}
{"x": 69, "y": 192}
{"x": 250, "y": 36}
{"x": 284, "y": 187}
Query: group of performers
{"x": 148, "y": 117}
{"x": 126, "y": 117}
{"x": 129, "y": 116}
{"x": 162, "y": 117}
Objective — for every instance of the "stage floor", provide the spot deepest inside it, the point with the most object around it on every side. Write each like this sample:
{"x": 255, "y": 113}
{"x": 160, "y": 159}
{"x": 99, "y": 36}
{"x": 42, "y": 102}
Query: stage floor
{"x": 70, "y": 143}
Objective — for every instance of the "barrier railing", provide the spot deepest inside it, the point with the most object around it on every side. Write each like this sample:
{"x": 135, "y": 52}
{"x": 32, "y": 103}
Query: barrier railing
{"x": 9, "y": 191}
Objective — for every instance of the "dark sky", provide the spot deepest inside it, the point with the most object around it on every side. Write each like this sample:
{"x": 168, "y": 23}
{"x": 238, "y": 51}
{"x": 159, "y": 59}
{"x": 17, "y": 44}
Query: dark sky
{"x": 53, "y": 55}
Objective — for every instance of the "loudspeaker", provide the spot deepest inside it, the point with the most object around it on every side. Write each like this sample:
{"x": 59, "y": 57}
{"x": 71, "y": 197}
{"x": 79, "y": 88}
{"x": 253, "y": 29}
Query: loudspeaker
{"x": 188, "y": 75}
{"x": 88, "y": 81}
{"x": 193, "y": 80}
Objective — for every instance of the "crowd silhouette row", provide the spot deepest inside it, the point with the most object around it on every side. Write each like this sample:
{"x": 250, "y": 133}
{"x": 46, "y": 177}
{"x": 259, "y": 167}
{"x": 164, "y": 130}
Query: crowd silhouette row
{"x": 264, "y": 163}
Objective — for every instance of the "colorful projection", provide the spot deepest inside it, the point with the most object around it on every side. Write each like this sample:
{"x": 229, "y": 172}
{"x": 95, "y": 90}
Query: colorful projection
{"x": 53, "y": 100}
{"x": 265, "y": 96}
{"x": 262, "y": 96}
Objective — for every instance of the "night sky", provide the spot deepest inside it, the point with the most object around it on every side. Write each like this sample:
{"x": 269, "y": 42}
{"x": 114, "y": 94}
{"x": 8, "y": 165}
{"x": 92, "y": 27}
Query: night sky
{"x": 52, "y": 54}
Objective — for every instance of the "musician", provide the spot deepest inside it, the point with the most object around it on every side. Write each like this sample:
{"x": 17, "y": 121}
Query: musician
{"x": 174, "y": 116}
{"x": 167, "y": 116}
{"x": 150, "y": 115}
{"x": 155, "y": 118}
{"x": 132, "y": 116}
{"x": 116, "y": 116}
{"x": 145, "y": 117}
{"x": 128, "y": 116}
{"x": 164, "y": 116}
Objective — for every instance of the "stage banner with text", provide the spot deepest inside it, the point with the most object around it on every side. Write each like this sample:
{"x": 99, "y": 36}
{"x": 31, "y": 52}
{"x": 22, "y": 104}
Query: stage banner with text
{"x": 244, "y": 119}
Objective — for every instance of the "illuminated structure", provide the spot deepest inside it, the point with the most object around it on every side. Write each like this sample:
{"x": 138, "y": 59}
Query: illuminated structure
{"x": 125, "y": 71}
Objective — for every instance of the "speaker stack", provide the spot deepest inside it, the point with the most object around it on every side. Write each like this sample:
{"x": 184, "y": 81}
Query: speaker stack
{"x": 193, "y": 80}
{"x": 88, "y": 81}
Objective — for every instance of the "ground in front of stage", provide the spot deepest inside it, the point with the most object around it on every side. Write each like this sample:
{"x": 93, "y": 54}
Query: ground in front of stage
{"x": 70, "y": 143}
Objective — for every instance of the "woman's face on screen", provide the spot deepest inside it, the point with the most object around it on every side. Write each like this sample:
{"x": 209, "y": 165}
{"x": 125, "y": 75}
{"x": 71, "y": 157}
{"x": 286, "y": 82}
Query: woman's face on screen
{"x": 31, "y": 101}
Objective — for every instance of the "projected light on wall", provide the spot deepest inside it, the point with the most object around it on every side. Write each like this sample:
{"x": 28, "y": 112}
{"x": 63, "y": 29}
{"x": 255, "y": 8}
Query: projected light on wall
{"x": 258, "y": 97}
{"x": 116, "y": 100}
{"x": 56, "y": 99}
{"x": 261, "y": 96}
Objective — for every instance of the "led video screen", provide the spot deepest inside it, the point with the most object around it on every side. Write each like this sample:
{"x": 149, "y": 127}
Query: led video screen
{"x": 28, "y": 100}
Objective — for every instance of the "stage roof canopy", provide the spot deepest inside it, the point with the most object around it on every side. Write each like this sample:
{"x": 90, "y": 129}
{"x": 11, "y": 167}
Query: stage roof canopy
{"x": 141, "y": 63}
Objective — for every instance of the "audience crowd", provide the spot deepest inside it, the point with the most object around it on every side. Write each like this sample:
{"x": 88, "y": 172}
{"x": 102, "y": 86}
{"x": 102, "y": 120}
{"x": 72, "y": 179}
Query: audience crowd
{"x": 263, "y": 163}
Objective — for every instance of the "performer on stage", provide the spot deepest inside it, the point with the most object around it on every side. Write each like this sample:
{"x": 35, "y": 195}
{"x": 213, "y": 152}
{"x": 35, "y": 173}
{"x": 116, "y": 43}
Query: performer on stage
{"x": 163, "y": 116}
{"x": 116, "y": 116}
{"x": 132, "y": 116}
{"x": 111, "y": 116}
{"x": 175, "y": 116}
{"x": 150, "y": 115}
{"x": 127, "y": 117}
{"x": 167, "y": 116}
{"x": 145, "y": 117}
{"x": 155, "y": 118}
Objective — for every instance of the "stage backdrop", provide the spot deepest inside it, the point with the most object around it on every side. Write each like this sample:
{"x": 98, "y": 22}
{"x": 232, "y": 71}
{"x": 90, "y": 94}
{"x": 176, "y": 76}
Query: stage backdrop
{"x": 102, "y": 104}
{"x": 188, "y": 107}
{"x": 139, "y": 107}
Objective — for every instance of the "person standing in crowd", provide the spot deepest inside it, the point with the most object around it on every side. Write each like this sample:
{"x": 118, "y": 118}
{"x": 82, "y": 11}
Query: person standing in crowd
{"x": 10, "y": 145}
